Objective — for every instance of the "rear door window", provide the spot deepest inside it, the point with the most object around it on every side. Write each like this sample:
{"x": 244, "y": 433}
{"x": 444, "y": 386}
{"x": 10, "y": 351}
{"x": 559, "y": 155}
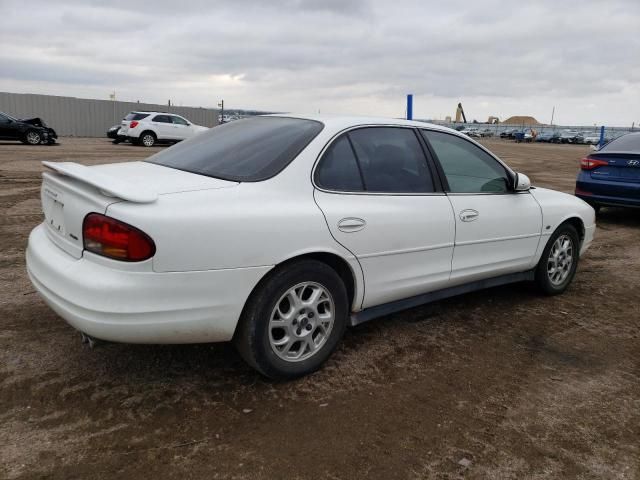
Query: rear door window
{"x": 162, "y": 119}
{"x": 391, "y": 160}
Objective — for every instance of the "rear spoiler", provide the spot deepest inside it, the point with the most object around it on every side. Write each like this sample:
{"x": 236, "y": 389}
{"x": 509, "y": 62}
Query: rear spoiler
{"x": 109, "y": 185}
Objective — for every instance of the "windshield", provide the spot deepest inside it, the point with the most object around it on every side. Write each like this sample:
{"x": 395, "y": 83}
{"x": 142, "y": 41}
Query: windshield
{"x": 247, "y": 150}
{"x": 8, "y": 116}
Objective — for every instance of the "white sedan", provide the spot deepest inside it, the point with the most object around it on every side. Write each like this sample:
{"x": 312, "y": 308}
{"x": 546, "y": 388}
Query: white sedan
{"x": 278, "y": 232}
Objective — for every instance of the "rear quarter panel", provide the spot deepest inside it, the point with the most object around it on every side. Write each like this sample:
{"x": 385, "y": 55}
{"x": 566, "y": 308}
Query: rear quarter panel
{"x": 253, "y": 224}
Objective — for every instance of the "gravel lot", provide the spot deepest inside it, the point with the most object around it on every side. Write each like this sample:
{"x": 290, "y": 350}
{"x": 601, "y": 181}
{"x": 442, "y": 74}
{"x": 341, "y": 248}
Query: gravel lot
{"x": 498, "y": 384}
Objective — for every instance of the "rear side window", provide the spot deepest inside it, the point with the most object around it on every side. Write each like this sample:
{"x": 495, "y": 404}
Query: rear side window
{"x": 248, "y": 150}
{"x": 468, "y": 168}
{"x": 625, "y": 143}
{"x": 339, "y": 168}
{"x": 136, "y": 116}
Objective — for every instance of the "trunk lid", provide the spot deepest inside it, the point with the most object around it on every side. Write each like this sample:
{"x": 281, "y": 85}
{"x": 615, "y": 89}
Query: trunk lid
{"x": 71, "y": 191}
{"x": 621, "y": 167}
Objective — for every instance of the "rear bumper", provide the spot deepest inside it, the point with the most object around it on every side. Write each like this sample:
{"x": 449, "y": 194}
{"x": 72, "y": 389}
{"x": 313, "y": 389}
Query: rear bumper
{"x": 611, "y": 201}
{"x": 607, "y": 192}
{"x": 139, "y": 307}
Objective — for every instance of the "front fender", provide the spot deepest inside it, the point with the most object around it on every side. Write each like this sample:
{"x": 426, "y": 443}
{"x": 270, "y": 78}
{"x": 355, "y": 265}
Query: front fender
{"x": 557, "y": 208}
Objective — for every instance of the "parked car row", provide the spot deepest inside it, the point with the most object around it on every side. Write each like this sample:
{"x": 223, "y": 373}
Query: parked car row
{"x": 31, "y": 131}
{"x": 138, "y": 128}
{"x": 563, "y": 136}
{"x": 476, "y": 132}
{"x": 150, "y": 128}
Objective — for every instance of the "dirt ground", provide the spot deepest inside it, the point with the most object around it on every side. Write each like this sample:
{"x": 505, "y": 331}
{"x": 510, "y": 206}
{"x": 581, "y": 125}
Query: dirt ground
{"x": 498, "y": 384}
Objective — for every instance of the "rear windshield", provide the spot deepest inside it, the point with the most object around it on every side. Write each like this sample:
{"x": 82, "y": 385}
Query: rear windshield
{"x": 625, "y": 143}
{"x": 136, "y": 116}
{"x": 247, "y": 150}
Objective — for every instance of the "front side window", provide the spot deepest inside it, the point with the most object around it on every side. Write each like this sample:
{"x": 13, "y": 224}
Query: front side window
{"x": 249, "y": 150}
{"x": 179, "y": 121}
{"x": 467, "y": 168}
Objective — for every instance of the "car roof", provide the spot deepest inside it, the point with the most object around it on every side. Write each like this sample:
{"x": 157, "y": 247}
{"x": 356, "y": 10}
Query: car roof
{"x": 151, "y": 113}
{"x": 341, "y": 122}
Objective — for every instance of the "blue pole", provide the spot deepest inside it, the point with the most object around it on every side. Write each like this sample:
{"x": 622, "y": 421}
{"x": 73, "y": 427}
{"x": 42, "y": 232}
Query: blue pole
{"x": 410, "y": 106}
{"x": 601, "y": 142}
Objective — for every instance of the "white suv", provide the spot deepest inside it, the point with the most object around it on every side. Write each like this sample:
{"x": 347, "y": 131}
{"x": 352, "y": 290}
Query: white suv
{"x": 149, "y": 128}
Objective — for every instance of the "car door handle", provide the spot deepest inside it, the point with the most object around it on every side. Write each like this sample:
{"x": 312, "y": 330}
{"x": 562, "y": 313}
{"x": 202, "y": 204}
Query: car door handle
{"x": 469, "y": 215}
{"x": 349, "y": 225}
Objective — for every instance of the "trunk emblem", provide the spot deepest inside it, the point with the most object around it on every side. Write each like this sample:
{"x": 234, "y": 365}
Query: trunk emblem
{"x": 633, "y": 163}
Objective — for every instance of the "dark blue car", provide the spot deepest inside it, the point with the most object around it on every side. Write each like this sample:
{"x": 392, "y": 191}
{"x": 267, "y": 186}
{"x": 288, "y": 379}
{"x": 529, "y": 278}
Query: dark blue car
{"x": 611, "y": 175}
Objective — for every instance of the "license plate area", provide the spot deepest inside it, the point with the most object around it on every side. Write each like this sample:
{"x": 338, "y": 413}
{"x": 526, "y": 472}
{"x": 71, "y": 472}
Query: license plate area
{"x": 53, "y": 206}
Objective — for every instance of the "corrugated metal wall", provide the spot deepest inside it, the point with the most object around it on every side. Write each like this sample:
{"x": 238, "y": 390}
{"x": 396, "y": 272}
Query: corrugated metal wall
{"x": 80, "y": 117}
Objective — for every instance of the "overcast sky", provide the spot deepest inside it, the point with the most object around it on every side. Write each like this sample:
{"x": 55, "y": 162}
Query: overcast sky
{"x": 498, "y": 58}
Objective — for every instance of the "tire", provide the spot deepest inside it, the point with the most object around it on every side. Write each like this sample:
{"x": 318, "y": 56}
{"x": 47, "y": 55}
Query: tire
{"x": 565, "y": 261}
{"x": 270, "y": 342}
{"x": 147, "y": 139}
{"x": 32, "y": 137}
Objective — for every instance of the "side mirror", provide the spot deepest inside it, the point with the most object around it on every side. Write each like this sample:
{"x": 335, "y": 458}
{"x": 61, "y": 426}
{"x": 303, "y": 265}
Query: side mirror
{"x": 522, "y": 183}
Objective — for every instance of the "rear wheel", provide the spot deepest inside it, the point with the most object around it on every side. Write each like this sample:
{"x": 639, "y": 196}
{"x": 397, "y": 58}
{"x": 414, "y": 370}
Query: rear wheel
{"x": 148, "y": 139}
{"x": 293, "y": 321}
{"x": 32, "y": 137}
{"x": 559, "y": 260}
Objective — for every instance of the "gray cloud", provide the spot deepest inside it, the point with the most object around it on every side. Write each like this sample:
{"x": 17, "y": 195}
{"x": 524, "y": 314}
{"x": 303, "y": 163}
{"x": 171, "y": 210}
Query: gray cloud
{"x": 347, "y": 56}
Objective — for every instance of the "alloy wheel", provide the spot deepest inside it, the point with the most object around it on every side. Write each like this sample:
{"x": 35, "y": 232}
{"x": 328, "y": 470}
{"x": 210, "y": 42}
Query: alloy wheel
{"x": 148, "y": 140}
{"x": 301, "y": 322}
{"x": 560, "y": 260}
{"x": 33, "y": 138}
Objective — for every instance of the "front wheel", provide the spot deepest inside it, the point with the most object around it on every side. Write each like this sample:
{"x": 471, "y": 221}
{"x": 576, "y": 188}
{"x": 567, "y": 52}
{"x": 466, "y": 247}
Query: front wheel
{"x": 294, "y": 320}
{"x": 559, "y": 260}
{"x": 32, "y": 137}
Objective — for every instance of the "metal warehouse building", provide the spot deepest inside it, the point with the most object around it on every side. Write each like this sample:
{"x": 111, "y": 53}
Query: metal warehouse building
{"x": 81, "y": 117}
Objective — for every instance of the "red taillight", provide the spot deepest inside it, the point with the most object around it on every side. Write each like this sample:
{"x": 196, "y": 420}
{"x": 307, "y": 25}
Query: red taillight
{"x": 133, "y": 124}
{"x": 591, "y": 163}
{"x": 111, "y": 238}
